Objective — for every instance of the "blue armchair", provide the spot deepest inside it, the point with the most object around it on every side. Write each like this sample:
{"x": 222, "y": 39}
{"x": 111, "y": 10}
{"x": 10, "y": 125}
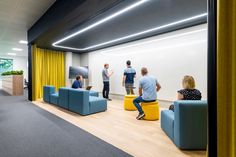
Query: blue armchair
{"x": 187, "y": 125}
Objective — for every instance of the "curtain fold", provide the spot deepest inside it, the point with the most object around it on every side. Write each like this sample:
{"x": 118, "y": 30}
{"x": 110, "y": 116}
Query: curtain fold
{"x": 226, "y": 78}
{"x": 48, "y": 68}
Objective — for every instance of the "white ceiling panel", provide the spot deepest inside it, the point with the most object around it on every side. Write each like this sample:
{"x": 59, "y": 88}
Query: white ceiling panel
{"x": 16, "y": 17}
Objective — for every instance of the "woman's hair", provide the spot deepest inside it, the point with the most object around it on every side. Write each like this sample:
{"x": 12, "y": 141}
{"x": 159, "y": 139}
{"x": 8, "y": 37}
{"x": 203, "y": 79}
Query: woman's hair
{"x": 77, "y": 77}
{"x": 188, "y": 82}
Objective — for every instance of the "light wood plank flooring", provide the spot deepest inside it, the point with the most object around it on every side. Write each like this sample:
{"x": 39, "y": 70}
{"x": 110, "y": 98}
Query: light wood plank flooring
{"x": 120, "y": 128}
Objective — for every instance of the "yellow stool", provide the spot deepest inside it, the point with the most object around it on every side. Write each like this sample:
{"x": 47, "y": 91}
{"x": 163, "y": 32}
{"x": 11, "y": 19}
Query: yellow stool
{"x": 151, "y": 110}
{"x": 128, "y": 102}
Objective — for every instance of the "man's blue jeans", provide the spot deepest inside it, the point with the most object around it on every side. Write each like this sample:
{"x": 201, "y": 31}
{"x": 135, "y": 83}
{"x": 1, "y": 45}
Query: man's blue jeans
{"x": 138, "y": 100}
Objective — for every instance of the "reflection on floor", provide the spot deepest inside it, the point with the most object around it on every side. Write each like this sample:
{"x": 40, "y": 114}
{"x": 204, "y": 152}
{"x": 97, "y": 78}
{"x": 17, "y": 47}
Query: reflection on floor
{"x": 120, "y": 128}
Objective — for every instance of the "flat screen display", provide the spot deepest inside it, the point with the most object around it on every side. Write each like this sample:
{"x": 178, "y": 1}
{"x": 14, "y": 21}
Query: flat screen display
{"x": 74, "y": 71}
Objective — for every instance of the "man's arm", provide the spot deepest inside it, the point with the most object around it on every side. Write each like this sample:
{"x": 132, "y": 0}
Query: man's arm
{"x": 109, "y": 75}
{"x": 123, "y": 80}
{"x": 158, "y": 86}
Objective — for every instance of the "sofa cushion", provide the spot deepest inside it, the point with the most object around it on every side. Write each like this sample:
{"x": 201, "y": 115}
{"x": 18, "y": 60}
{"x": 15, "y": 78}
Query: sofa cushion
{"x": 93, "y": 93}
{"x": 63, "y": 97}
{"x": 79, "y": 101}
{"x": 97, "y": 104}
{"x": 167, "y": 123}
{"x": 54, "y": 98}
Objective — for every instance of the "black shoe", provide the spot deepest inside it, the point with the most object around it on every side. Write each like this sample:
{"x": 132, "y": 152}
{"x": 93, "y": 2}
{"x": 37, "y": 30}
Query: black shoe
{"x": 109, "y": 99}
{"x": 140, "y": 116}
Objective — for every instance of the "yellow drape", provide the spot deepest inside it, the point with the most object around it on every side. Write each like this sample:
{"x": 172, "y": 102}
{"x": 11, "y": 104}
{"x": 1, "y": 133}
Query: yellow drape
{"x": 48, "y": 68}
{"x": 226, "y": 78}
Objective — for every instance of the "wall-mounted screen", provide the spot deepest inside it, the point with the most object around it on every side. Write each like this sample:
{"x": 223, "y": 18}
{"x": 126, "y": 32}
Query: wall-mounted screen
{"x": 74, "y": 71}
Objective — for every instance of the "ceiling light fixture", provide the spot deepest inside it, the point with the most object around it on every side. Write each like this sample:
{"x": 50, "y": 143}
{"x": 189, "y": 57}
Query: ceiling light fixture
{"x": 23, "y": 42}
{"x": 17, "y": 49}
{"x": 154, "y": 40}
{"x": 11, "y": 54}
{"x": 56, "y": 44}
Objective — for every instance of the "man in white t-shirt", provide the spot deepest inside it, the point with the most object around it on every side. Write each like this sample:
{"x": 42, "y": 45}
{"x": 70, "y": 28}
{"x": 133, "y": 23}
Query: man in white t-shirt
{"x": 148, "y": 88}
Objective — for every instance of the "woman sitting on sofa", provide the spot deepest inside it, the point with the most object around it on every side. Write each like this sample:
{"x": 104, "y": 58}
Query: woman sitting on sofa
{"x": 189, "y": 92}
{"x": 78, "y": 82}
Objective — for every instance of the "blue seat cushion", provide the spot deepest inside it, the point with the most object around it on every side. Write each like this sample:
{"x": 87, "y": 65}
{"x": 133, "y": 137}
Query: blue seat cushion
{"x": 93, "y": 93}
{"x": 54, "y": 98}
{"x": 97, "y": 104}
{"x": 167, "y": 123}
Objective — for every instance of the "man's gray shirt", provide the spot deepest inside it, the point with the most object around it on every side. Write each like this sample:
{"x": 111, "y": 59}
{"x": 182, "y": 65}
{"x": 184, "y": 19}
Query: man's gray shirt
{"x": 105, "y": 75}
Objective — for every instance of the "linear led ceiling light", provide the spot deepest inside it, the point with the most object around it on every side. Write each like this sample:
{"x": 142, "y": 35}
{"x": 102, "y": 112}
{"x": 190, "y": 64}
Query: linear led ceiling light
{"x": 17, "y": 49}
{"x": 11, "y": 54}
{"x": 102, "y": 21}
{"x": 23, "y": 42}
{"x": 154, "y": 40}
{"x": 56, "y": 44}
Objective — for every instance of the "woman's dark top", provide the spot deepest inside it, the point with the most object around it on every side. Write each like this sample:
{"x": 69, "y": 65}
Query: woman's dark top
{"x": 190, "y": 94}
{"x": 77, "y": 84}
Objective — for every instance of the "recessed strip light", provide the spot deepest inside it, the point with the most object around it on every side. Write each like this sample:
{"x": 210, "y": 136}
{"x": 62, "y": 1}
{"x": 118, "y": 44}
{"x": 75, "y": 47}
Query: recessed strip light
{"x": 125, "y": 37}
{"x": 17, "y": 49}
{"x": 102, "y": 21}
{"x": 11, "y": 54}
{"x": 23, "y": 42}
{"x": 155, "y": 40}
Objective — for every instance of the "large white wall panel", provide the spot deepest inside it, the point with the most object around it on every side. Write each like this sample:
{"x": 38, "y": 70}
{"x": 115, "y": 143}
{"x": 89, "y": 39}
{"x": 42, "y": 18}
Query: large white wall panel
{"x": 168, "y": 57}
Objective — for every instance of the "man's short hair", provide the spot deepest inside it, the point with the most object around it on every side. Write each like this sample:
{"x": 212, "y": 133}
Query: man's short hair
{"x": 128, "y": 62}
{"x": 106, "y": 64}
{"x": 144, "y": 70}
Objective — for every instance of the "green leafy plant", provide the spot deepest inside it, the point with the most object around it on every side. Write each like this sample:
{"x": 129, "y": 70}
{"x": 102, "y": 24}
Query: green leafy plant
{"x": 13, "y": 72}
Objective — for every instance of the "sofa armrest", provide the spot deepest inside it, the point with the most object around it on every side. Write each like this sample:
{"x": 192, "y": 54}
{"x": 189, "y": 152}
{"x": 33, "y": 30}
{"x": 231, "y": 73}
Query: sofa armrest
{"x": 167, "y": 123}
{"x": 190, "y": 126}
{"x": 47, "y": 91}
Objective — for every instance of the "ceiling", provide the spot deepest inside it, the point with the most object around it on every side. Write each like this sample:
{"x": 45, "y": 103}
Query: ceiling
{"x": 16, "y": 17}
{"x": 151, "y": 14}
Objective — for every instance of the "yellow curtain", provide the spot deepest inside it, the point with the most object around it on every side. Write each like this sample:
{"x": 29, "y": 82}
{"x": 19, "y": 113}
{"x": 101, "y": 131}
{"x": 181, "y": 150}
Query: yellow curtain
{"x": 226, "y": 78}
{"x": 48, "y": 68}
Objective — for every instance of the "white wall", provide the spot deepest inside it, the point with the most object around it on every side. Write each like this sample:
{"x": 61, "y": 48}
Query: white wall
{"x": 168, "y": 57}
{"x": 19, "y": 63}
{"x": 71, "y": 59}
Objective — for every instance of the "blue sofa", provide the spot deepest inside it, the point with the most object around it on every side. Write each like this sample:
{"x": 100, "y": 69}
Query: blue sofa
{"x": 80, "y": 101}
{"x": 187, "y": 125}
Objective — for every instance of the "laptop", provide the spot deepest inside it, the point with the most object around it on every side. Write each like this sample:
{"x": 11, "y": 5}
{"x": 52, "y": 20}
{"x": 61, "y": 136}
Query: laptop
{"x": 88, "y": 87}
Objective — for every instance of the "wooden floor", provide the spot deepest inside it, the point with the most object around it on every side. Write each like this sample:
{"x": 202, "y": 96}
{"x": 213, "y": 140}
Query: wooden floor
{"x": 120, "y": 128}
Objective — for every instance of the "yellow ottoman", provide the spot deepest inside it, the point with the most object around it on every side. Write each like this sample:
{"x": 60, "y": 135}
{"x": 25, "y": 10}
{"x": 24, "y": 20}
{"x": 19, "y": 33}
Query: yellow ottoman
{"x": 128, "y": 102}
{"x": 151, "y": 110}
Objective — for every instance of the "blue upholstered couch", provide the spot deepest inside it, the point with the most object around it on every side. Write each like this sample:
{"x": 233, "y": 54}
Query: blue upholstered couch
{"x": 80, "y": 101}
{"x": 187, "y": 125}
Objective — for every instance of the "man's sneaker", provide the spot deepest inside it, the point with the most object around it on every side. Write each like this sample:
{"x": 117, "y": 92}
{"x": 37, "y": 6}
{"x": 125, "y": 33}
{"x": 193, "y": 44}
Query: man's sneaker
{"x": 109, "y": 99}
{"x": 140, "y": 116}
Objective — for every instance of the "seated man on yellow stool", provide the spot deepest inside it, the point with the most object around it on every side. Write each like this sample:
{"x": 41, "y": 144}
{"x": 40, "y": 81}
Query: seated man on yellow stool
{"x": 148, "y": 87}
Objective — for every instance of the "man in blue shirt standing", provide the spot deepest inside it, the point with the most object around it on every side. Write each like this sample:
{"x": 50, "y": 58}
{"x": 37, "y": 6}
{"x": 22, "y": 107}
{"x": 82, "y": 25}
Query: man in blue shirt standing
{"x": 78, "y": 82}
{"x": 148, "y": 88}
{"x": 128, "y": 78}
